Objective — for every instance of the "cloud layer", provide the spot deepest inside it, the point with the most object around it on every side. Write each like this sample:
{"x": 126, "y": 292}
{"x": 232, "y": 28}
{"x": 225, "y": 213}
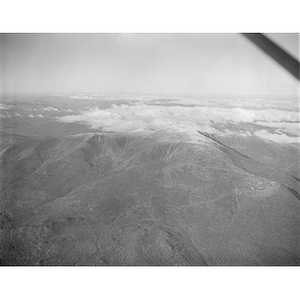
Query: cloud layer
{"x": 50, "y": 108}
{"x": 127, "y": 117}
{"x": 278, "y": 138}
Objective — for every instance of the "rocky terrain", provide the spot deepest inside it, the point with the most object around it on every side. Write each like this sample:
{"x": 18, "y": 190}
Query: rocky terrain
{"x": 160, "y": 198}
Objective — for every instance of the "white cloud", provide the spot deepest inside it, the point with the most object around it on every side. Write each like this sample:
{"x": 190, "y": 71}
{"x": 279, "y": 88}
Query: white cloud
{"x": 278, "y": 138}
{"x": 36, "y": 116}
{"x": 4, "y": 106}
{"x": 150, "y": 117}
{"x": 50, "y": 108}
{"x": 81, "y": 96}
{"x": 292, "y": 128}
{"x": 289, "y": 104}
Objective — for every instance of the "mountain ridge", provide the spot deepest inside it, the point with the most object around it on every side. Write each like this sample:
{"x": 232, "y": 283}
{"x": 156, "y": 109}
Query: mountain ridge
{"x": 161, "y": 198}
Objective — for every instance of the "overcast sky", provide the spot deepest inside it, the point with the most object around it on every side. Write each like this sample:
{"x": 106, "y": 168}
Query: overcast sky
{"x": 214, "y": 64}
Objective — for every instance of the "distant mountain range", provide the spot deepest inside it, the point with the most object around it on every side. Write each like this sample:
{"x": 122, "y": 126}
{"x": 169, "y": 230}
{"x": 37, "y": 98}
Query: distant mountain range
{"x": 160, "y": 198}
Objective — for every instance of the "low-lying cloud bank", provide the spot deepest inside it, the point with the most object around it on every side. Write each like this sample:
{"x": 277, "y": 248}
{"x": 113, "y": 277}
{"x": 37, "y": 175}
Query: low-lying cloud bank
{"x": 278, "y": 138}
{"x": 288, "y": 104}
{"x": 150, "y": 117}
{"x": 50, "y": 108}
{"x": 5, "y": 106}
{"x": 36, "y": 116}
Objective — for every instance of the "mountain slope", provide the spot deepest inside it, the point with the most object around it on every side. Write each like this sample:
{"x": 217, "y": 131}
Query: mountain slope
{"x": 163, "y": 198}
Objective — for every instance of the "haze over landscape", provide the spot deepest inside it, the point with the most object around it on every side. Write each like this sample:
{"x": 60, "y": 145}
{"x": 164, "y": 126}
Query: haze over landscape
{"x": 148, "y": 149}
